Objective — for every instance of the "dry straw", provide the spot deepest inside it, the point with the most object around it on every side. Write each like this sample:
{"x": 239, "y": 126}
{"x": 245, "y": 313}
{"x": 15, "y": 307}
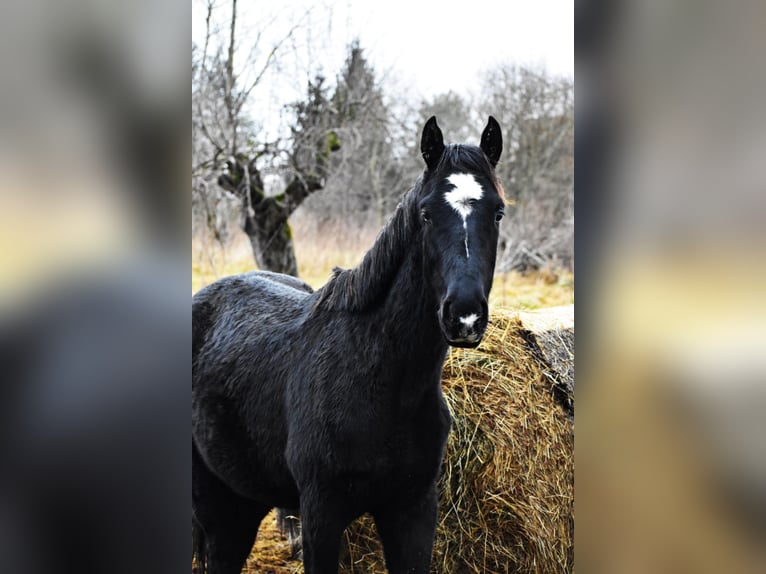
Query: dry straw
{"x": 507, "y": 490}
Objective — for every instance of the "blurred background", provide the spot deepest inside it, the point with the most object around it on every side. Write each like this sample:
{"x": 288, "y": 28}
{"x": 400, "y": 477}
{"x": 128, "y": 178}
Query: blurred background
{"x": 94, "y": 321}
{"x": 671, "y": 357}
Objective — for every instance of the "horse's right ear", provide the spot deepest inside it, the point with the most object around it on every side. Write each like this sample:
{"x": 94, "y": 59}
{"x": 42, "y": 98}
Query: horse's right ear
{"x": 432, "y": 143}
{"x": 492, "y": 141}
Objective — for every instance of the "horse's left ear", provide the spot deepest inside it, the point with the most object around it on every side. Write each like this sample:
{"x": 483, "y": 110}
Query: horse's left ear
{"x": 492, "y": 141}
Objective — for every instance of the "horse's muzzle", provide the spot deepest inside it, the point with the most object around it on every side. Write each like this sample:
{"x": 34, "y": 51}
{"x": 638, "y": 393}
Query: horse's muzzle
{"x": 463, "y": 320}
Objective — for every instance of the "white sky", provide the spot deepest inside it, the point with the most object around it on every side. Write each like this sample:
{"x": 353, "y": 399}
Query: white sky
{"x": 441, "y": 46}
{"x": 422, "y": 48}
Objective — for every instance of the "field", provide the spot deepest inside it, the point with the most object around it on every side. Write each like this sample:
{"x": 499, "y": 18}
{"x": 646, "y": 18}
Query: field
{"x": 318, "y": 253}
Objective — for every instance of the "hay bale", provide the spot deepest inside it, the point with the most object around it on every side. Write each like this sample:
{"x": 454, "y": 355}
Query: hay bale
{"x": 507, "y": 490}
{"x": 550, "y": 333}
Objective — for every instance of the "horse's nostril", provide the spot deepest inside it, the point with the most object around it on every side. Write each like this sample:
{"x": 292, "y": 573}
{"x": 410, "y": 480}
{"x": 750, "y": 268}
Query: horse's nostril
{"x": 446, "y": 308}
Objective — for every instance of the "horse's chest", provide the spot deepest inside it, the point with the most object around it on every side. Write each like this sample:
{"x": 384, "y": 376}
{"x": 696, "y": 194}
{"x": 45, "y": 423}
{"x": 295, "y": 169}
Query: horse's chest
{"x": 370, "y": 442}
{"x": 393, "y": 439}
{"x": 392, "y": 473}
{"x": 405, "y": 457}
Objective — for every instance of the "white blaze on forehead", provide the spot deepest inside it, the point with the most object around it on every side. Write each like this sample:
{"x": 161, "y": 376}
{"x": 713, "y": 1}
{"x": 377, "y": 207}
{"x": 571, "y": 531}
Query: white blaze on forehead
{"x": 466, "y": 190}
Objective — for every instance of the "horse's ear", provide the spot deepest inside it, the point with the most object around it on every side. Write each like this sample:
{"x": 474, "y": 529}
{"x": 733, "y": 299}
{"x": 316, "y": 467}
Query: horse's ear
{"x": 492, "y": 141}
{"x": 432, "y": 143}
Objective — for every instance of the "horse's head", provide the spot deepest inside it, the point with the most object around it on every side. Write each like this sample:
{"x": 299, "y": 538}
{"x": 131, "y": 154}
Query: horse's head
{"x": 460, "y": 211}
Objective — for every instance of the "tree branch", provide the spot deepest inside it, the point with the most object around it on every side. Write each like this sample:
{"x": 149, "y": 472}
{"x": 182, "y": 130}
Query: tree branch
{"x": 299, "y": 189}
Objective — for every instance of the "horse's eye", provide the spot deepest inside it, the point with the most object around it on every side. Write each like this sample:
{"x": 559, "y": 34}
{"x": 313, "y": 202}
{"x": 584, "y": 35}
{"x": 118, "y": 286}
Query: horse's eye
{"x": 498, "y": 216}
{"x": 472, "y": 202}
{"x": 426, "y": 216}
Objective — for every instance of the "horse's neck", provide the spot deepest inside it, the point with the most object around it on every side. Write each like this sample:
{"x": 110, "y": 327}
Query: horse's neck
{"x": 405, "y": 304}
{"x": 409, "y": 314}
{"x": 389, "y": 285}
{"x": 408, "y": 329}
{"x": 365, "y": 286}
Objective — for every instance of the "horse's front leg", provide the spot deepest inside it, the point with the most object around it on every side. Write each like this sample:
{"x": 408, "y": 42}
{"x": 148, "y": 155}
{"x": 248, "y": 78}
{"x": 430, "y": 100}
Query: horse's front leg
{"x": 323, "y": 519}
{"x": 407, "y": 530}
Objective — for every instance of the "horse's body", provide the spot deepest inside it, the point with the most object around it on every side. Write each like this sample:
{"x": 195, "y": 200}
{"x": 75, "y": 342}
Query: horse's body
{"x": 330, "y": 401}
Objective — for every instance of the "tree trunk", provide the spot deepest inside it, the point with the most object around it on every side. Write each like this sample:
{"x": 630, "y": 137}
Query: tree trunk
{"x": 271, "y": 238}
{"x": 264, "y": 218}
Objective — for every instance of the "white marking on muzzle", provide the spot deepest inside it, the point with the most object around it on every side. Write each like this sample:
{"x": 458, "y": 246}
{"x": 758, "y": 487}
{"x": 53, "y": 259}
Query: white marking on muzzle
{"x": 469, "y": 320}
{"x": 466, "y": 190}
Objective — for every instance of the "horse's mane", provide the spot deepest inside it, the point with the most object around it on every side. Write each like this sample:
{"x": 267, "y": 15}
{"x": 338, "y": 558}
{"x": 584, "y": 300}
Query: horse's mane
{"x": 358, "y": 288}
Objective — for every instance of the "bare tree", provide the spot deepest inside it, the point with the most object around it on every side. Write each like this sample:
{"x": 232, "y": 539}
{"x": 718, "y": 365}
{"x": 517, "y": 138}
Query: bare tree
{"x": 364, "y": 178}
{"x": 265, "y": 217}
{"x": 454, "y": 111}
{"x": 536, "y": 112}
{"x": 228, "y": 149}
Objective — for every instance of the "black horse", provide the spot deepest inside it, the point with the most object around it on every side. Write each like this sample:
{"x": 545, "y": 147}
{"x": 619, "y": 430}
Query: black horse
{"x": 330, "y": 401}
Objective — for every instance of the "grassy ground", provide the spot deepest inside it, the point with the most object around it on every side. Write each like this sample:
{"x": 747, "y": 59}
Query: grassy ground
{"x": 317, "y": 254}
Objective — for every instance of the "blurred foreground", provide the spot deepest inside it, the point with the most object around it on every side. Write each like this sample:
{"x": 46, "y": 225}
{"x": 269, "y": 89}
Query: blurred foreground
{"x": 671, "y": 465}
{"x": 94, "y": 322}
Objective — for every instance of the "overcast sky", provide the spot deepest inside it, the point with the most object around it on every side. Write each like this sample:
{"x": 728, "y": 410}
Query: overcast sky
{"x": 421, "y": 47}
{"x": 438, "y": 46}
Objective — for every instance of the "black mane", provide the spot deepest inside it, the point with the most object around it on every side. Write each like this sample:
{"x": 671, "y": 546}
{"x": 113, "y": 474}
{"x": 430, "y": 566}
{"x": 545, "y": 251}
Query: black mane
{"x": 358, "y": 288}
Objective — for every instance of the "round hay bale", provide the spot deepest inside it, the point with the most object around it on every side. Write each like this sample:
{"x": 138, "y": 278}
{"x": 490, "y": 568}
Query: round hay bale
{"x": 507, "y": 487}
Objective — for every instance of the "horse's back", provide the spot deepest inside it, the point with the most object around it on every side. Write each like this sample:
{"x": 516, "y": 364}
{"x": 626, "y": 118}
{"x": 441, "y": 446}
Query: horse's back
{"x": 254, "y": 282}
{"x": 243, "y": 328}
{"x": 281, "y": 279}
{"x": 248, "y": 297}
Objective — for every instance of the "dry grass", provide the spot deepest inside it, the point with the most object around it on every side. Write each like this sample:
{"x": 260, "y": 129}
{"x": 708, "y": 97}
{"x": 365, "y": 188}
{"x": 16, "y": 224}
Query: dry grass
{"x": 318, "y": 253}
{"x": 271, "y": 553}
